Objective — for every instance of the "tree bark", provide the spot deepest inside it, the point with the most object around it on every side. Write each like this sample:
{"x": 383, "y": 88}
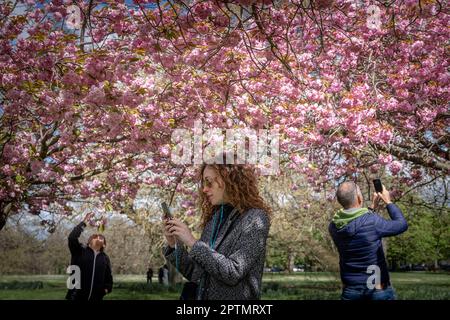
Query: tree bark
{"x": 172, "y": 275}
{"x": 418, "y": 158}
{"x": 291, "y": 261}
{"x": 5, "y": 208}
{"x": 3, "y": 219}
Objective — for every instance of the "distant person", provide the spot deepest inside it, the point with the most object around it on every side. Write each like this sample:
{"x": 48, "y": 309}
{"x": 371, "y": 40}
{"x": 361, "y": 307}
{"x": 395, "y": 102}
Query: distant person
{"x": 160, "y": 275}
{"x": 166, "y": 275}
{"x": 95, "y": 267}
{"x": 357, "y": 233}
{"x": 149, "y": 275}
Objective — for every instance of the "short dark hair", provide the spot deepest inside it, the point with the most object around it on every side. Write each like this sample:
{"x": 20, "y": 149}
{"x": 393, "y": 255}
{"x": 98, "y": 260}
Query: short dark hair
{"x": 347, "y": 193}
{"x": 95, "y": 235}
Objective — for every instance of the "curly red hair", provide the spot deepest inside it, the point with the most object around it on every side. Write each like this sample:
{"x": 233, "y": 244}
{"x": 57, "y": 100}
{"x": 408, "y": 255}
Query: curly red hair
{"x": 241, "y": 187}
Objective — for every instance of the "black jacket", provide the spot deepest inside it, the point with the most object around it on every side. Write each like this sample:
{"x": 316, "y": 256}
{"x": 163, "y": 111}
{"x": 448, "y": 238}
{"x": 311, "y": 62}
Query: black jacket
{"x": 93, "y": 282}
{"x": 232, "y": 268}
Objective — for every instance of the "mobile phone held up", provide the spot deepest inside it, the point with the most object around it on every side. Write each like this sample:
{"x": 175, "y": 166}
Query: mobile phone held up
{"x": 166, "y": 212}
{"x": 378, "y": 186}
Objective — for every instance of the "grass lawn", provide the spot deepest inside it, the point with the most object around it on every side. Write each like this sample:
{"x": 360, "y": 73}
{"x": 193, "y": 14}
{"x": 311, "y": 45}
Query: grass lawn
{"x": 299, "y": 286}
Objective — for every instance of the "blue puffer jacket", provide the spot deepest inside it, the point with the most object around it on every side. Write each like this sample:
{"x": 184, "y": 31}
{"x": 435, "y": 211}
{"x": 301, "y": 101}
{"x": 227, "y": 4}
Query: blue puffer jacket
{"x": 359, "y": 244}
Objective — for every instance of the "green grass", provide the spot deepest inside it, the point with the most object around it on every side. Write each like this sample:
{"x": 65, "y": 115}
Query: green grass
{"x": 324, "y": 286}
{"x": 300, "y": 286}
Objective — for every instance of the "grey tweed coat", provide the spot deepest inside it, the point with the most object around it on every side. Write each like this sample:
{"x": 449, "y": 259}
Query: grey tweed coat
{"x": 233, "y": 268}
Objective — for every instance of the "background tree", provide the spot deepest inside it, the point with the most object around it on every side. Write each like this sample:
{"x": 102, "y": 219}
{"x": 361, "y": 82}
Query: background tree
{"x": 299, "y": 229}
{"x": 88, "y": 112}
{"x": 427, "y": 239}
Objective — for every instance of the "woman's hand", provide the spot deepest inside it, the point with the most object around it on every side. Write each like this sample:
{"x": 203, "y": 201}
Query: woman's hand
{"x": 180, "y": 230}
{"x": 171, "y": 240}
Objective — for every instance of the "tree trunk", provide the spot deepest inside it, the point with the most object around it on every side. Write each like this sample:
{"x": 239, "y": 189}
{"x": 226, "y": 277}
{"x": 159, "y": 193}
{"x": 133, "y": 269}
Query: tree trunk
{"x": 2, "y": 221}
{"x": 385, "y": 244}
{"x": 291, "y": 261}
{"x": 5, "y": 208}
{"x": 172, "y": 275}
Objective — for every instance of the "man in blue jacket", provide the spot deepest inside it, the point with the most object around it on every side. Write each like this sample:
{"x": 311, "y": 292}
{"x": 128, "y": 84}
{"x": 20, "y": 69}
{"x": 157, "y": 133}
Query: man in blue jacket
{"x": 357, "y": 233}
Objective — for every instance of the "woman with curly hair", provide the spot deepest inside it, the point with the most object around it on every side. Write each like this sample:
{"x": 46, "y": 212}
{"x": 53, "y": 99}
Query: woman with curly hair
{"x": 227, "y": 261}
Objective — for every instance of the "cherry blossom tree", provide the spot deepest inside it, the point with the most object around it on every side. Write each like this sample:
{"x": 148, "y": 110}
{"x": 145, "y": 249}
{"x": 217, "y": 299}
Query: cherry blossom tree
{"x": 88, "y": 105}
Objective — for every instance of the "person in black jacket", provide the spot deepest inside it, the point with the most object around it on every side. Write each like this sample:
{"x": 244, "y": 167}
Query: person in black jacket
{"x": 95, "y": 266}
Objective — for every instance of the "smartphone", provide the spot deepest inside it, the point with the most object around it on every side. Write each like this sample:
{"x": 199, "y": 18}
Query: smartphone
{"x": 378, "y": 186}
{"x": 166, "y": 211}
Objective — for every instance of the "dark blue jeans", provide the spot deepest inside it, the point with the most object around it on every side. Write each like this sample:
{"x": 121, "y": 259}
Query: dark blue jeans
{"x": 361, "y": 292}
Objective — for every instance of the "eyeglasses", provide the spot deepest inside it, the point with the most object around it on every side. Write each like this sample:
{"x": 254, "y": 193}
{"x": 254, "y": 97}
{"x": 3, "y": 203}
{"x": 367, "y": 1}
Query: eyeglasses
{"x": 207, "y": 183}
